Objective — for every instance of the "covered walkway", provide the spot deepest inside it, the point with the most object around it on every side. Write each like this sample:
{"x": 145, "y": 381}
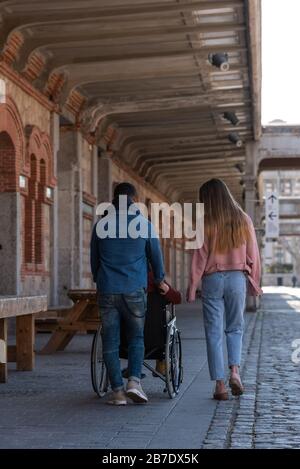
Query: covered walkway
{"x": 55, "y": 406}
{"x": 163, "y": 94}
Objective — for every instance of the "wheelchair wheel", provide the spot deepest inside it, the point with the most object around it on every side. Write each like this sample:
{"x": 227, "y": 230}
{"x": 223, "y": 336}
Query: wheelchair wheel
{"x": 174, "y": 369}
{"x": 99, "y": 375}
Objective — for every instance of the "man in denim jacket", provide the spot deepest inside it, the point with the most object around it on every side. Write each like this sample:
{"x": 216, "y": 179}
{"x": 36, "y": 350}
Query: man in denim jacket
{"x": 119, "y": 264}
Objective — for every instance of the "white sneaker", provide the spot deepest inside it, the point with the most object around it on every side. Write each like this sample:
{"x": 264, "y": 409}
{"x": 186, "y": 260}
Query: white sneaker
{"x": 118, "y": 398}
{"x": 135, "y": 392}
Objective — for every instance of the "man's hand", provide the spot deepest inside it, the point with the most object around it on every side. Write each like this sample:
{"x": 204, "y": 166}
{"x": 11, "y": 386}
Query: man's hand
{"x": 163, "y": 288}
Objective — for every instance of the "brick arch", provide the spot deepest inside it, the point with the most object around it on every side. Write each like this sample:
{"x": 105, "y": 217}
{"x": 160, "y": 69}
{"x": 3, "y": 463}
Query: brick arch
{"x": 38, "y": 144}
{"x": 12, "y": 144}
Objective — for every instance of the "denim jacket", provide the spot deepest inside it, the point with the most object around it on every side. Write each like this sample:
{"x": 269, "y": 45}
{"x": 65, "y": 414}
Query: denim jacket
{"x": 120, "y": 264}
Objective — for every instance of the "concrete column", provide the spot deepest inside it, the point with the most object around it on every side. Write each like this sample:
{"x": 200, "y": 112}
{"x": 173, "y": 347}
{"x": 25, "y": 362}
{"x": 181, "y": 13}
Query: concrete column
{"x": 182, "y": 272}
{"x": 186, "y": 270}
{"x": 95, "y": 176}
{"x": 70, "y": 212}
{"x": 10, "y": 243}
{"x": 95, "y": 170}
{"x": 250, "y": 178}
{"x": 173, "y": 264}
{"x": 104, "y": 178}
{"x": 54, "y": 215}
{"x": 78, "y": 220}
{"x": 252, "y": 153}
{"x": 251, "y": 199}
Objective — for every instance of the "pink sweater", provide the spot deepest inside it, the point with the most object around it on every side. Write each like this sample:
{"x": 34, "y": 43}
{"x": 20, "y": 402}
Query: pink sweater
{"x": 245, "y": 258}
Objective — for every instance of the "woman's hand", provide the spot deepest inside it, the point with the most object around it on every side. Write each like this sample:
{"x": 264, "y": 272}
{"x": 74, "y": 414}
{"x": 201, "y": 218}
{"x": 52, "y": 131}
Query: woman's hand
{"x": 190, "y": 297}
{"x": 192, "y": 294}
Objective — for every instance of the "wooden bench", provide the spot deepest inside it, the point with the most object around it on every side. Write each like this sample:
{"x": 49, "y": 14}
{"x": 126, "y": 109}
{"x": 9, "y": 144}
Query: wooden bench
{"x": 83, "y": 316}
{"x": 23, "y": 309}
{"x": 47, "y": 321}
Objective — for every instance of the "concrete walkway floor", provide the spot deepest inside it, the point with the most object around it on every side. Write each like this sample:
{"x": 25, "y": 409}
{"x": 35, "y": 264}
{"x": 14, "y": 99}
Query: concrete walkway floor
{"x": 55, "y": 406}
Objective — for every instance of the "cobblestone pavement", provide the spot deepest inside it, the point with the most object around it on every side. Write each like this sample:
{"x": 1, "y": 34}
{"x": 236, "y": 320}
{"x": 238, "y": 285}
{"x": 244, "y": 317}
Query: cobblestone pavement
{"x": 268, "y": 414}
{"x": 55, "y": 407}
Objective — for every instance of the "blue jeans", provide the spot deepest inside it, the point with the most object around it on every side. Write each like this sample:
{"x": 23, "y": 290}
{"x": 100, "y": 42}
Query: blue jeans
{"x": 223, "y": 292}
{"x": 131, "y": 308}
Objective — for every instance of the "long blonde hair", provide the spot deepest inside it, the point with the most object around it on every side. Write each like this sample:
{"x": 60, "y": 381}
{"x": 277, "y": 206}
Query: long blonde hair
{"x": 225, "y": 222}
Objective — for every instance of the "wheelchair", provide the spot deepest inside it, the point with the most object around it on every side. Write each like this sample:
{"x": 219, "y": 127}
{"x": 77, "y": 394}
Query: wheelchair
{"x": 162, "y": 342}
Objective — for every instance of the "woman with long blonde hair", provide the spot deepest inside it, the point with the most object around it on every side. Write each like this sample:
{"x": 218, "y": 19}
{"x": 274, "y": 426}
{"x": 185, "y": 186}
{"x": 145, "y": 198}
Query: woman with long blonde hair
{"x": 226, "y": 263}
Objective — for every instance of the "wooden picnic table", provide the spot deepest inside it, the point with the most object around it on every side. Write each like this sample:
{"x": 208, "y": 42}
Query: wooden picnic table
{"x": 23, "y": 309}
{"x": 83, "y": 316}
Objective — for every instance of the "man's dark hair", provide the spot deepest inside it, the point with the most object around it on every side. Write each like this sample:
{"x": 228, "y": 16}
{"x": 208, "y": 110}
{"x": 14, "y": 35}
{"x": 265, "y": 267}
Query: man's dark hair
{"x": 125, "y": 188}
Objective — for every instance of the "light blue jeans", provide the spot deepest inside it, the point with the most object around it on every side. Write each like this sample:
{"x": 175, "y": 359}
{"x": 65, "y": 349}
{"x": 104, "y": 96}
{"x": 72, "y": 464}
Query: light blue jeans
{"x": 223, "y": 292}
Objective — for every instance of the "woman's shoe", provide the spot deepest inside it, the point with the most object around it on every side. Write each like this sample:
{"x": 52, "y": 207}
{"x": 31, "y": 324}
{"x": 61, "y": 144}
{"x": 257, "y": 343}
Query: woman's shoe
{"x": 221, "y": 396}
{"x": 221, "y": 393}
{"x": 237, "y": 389}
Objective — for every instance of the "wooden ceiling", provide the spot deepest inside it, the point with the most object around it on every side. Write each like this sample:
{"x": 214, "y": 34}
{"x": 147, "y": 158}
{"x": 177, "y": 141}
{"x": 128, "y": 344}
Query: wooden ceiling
{"x": 140, "y": 69}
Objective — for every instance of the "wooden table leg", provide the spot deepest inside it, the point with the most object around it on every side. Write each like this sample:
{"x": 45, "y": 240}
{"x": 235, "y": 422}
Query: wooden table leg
{"x": 60, "y": 338}
{"x": 3, "y": 350}
{"x": 25, "y": 342}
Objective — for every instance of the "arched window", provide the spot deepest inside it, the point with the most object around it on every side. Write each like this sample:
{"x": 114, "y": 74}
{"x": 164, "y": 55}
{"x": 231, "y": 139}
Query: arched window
{"x": 30, "y": 213}
{"x": 37, "y": 200}
{"x": 7, "y": 164}
{"x": 34, "y": 212}
{"x": 38, "y": 232}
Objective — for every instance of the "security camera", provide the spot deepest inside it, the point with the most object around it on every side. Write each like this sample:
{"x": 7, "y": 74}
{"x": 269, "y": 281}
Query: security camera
{"x": 220, "y": 61}
{"x": 231, "y": 117}
{"x": 236, "y": 139}
{"x": 240, "y": 167}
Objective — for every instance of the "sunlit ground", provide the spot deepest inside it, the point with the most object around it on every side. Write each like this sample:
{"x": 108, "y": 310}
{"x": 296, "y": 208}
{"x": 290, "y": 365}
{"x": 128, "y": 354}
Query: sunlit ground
{"x": 289, "y": 294}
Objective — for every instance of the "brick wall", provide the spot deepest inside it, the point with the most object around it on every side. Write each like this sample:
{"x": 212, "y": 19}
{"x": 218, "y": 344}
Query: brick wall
{"x": 36, "y": 277}
{"x": 25, "y": 151}
{"x": 30, "y": 110}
